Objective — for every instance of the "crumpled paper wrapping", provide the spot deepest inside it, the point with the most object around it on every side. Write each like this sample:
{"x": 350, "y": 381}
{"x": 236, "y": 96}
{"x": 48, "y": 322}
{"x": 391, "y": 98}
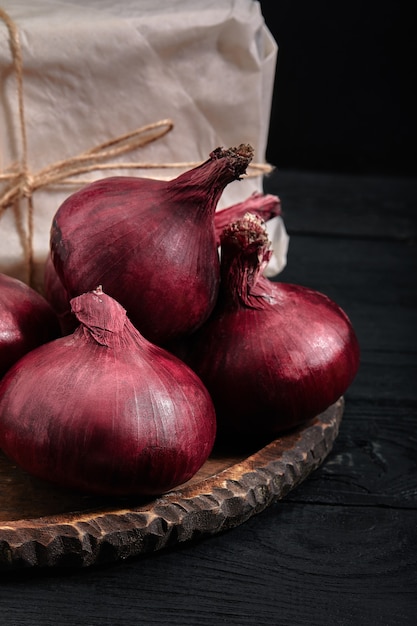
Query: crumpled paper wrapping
{"x": 95, "y": 69}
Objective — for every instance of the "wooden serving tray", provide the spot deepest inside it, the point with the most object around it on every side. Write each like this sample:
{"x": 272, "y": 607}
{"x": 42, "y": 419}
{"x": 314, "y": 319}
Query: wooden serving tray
{"x": 44, "y": 526}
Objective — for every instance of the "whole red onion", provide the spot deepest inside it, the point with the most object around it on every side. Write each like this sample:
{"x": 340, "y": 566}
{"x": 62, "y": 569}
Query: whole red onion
{"x": 105, "y": 411}
{"x": 151, "y": 244}
{"x": 266, "y": 206}
{"x": 26, "y": 321}
{"x": 272, "y": 355}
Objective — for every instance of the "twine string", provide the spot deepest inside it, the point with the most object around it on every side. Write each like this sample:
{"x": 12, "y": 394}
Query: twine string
{"x": 22, "y": 183}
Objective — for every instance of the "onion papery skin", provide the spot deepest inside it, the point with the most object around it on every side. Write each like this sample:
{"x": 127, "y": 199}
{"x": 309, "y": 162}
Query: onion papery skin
{"x": 151, "y": 244}
{"x": 272, "y": 355}
{"x": 104, "y": 411}
{"x": 26, "y": 321}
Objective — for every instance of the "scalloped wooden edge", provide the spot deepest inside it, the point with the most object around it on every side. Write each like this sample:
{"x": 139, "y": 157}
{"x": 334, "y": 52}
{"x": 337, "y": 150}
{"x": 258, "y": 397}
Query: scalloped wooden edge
{"x": 210, "y": 506}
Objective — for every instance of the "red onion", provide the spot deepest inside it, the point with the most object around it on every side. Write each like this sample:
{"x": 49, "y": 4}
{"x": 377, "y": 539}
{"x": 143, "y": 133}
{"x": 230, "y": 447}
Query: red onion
{"x": 26, "y": 321}
{"x": 105, "y": 411}
{"x": 266, "y": 206}
{"x": 150, "y": 243}
{"x": 272, "y": 355}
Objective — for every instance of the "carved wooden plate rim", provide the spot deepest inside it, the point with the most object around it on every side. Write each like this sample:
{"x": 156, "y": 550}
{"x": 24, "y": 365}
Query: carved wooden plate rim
{"x": 200, "y": 508}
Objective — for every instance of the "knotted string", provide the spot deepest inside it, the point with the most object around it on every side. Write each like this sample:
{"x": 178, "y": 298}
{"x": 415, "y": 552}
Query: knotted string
{"x": 22, "y": 183}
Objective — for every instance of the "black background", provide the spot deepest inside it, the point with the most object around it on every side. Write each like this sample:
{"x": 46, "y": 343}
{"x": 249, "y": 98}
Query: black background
{"x": 344, "y": 90}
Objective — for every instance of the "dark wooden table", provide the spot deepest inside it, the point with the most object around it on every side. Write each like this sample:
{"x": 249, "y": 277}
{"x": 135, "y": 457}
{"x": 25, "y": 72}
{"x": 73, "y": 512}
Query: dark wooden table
{"x": 341, "y": 549}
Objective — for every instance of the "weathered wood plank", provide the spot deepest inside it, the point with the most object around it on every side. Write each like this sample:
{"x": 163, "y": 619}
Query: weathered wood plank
{"x": 346, "y": 205}
{"x": 298, "y": 564}
{"x": 373, "y": 461}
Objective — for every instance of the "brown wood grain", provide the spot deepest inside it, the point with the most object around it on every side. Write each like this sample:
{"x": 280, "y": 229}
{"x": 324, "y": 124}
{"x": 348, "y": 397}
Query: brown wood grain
{"x": 44, "y": 526}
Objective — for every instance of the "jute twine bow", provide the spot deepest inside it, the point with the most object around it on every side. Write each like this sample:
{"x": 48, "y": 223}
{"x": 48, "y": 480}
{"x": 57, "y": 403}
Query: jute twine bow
{"x": 22, "y": 183}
